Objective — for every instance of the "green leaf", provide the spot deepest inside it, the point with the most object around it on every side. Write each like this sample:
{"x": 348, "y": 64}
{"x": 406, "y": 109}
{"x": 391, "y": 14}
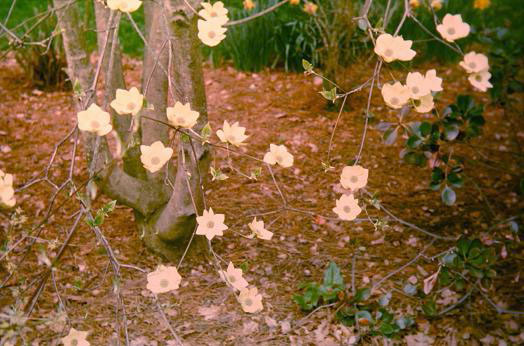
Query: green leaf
{"x": 205, "y": 133}
{"x": 362, "y": 294}
{"x": 308, "y": 67}
{"x": 448, "y": 196}
{"x": 364, "y": 315}
{"x": 388, "y": 329}
{"x": 390, "y": 136}
{"x": 455, "y": 179}
{"x": 330, "y": 95}
{"x": 332, "y": 275}
{"x": 109, "y": 207}
{"x": 430, "y": 308}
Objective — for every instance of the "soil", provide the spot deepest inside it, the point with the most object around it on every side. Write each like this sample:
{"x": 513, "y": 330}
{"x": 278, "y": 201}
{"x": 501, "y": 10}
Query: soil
{"x": 282, "y": 108}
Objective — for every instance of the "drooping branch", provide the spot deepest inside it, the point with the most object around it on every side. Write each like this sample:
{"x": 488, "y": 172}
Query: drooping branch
{"x": 111, "y": 69}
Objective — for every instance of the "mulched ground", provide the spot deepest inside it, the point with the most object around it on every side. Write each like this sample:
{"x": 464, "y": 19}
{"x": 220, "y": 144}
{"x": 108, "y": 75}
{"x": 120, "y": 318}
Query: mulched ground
{"x": 281, "y": 108}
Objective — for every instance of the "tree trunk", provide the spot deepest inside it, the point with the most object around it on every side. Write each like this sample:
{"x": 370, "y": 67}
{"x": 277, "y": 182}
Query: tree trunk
{"x": 165, "y": 213}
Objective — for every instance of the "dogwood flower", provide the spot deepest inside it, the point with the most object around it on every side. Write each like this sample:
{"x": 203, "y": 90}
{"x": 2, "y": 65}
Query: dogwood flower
{"x": 234, "y": 277}
{"x": 257, "y": 227}
{"x": 453, "y": 28}
{"x": 163, "y": 279}
{"x": 417, "y": 84}
{"x": 127, "y": 6}
{"x": 480, "y": 80}
{"x": 95, "y": 120}
{"x": 128, "y": 102}
{"x": 211, "y": 224}
{"x": 210, "y": 32}
{"x": 278, "y": 154}
{"x": 354, "y": 177}
{"x": 250, "y": 300}
{"x": 392, "y": 48}
{"x": 347, "y": 208}
{"x": 436, "y": 4}
{"x": 7, "y": 192}
{"x": 310, "y": 8}
{"x": 434, "y": 82}
{"x": 75, "y": 338}
{"x": 249, "y": 5}
{"x": 232, "y": 134}
{"x": 214, "y": 12}
{"x": 481, "y": 4}
{"x": 424, "y": 104}
{"x": 155, "y": 156}
{"x": 395, "y": 95}
{"x": 474, "y": 62}
{"x": 181, "y": 115}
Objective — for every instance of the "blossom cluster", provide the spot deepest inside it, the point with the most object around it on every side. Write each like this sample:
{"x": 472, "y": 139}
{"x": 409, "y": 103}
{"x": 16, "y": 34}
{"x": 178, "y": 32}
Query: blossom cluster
{"x": 352, "y": 178}
{"x": 211, "y": 29}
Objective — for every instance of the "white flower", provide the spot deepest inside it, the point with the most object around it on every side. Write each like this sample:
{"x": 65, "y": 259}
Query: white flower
{"x": 453, "y": 28}
{"x": 163, "y": 279}
{"x": 128, "y": 102}
{"x": 395, "y": 95}
{"x": 347, "y": 208}
{"x": 354, "y": 177}
{"x": 210, "y": 32}
{"x": 250, "y": 300}
{"x": 278, "y": 154}
{"x": 233, "y": 134}
{"x": 215, "y": 12}
{"x": 434, "y": 82}
{"x": 424, "y": 104}
{"x": 480, "y": 80}
{"x": 392, "y": 48}
{"x": 95, "y": 120}
{"x": 234, "y": 277}
{"x": 155, "y": 156}
{"x": 124, "y": 5}
{"x": 417, "y": 84}
{"x": 181, "y": 115}
{"x": 475, "y": 62}
{"x": 211, "y": 224}
{"x": 258, "y": 229}
{"x": 7, "y": 192}
{"x": 75, "y": 338}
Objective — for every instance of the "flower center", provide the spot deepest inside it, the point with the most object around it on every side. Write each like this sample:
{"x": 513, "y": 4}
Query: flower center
{"x": 155, "y": 160}
{"x": 213, "y": 14}
{"x": 248, "y": 302}
{"x": 180, "y": 120}
{"x": 388, "y": 52}
{"x": 211, "y": 34}
{"x": 231, "y": 278}
{"x": 394, "y": 101}
{"x": 353, "y": 179}
{"x": 346, "y": 209}
{"x": 74, "y": 342}
{"x": 95, "y": 124}
{"x": 415, "y": 90}
{"x": 232, "y": 138}
{"x": 210, "y": 224}
{"x": 164, "y": 283}
{"x": 478, "y": 78}
{"x": 451, "y": 31}
{"x": 472, "y": 65}
{"x": 130, "y": 106}
{"x": 278, "y": 158}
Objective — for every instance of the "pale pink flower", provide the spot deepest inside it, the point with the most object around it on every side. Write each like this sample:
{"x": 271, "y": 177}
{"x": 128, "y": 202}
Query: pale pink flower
{"x": 233, "y": 134}
{"x": 234, "y": 276}
{"x": 75, "y": 338}
{"x": 475, "y": 62}
{"x": 347, "y": 208}
{"x": 155, "y": 156}
{"x": 211, "y": 224}
{"x": 257, "y": 227}
{"x": 480, "y": 80}
{"x": 354, "y": 177}
{"x": 250, "y": 300}
{"x": 163, "y": 279}
{"x": 453, "y": 28}
{"x": 278, "y": 154}
{"x": 392, "y": 48}
{"x": 395, "y": 95}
